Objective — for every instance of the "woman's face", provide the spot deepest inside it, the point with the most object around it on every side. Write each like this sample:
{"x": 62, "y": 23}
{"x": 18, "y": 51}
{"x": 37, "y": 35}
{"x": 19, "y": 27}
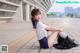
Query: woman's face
{"x": 38, "y": 17}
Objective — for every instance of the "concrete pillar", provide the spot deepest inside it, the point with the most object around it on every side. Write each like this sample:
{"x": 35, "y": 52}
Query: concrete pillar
{"x": 28, "y": 12}
{"x": 18, "y": 15}
{"x": 32, "y": 7}
{"x": 44, "y": 14}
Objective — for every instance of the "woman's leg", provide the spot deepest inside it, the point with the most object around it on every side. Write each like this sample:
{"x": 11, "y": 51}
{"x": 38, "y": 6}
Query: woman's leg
{"x": 63, "y": 35}
{"x": 55, "y": 35}
{"x": 52, "y": 38}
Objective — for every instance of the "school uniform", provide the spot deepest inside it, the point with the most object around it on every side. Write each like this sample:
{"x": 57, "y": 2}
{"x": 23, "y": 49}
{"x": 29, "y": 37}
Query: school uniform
{"x": 42, "y": 34}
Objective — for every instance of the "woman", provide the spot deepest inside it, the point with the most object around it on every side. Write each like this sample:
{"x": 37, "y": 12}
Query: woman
{"x": 64, "y": 42}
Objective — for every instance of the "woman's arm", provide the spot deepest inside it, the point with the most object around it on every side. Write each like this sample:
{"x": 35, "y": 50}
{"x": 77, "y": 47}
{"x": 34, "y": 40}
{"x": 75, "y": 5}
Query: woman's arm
{"x": 48, "y": 28}
{"x": 53, "y": 29}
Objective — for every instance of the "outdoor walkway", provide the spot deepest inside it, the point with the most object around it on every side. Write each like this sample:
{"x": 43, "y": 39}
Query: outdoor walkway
{"x": 71, "y": 26}
{"x": 11, "y": 31}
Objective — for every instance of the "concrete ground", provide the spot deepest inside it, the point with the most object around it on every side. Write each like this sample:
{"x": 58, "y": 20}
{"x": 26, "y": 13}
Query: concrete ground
{"x": 11, "y": 31}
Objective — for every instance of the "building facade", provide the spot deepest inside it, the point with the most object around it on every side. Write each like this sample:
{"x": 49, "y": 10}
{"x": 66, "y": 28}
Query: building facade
{"x": 19, "y": 10}
{"x": 72, "y": 12}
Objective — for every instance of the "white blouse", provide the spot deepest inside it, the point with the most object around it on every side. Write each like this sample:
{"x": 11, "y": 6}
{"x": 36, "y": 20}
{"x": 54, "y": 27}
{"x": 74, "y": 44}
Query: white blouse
{"x": 41, "y": 30}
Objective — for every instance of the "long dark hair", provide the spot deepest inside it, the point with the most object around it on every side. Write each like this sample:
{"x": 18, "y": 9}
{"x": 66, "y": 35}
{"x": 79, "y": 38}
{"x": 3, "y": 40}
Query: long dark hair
{"x": 34, "y": 12}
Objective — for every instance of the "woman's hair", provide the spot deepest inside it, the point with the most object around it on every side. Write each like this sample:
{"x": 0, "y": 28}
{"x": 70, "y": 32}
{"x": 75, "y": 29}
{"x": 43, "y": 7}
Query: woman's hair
{"x": 34, "y": 12}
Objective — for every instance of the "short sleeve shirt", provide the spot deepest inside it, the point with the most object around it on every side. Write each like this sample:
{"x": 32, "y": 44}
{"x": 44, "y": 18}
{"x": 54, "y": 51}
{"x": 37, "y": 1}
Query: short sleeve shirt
{"x": 41, "y": 30}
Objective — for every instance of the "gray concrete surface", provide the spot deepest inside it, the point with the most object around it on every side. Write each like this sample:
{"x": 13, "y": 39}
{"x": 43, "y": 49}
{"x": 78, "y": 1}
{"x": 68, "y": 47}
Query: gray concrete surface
{"x": 70, "y": 25}
{"x": 11, "y": 31}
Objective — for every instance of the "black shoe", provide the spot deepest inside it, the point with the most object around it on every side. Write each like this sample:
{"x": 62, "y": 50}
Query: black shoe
{"x": 58, "y": 46}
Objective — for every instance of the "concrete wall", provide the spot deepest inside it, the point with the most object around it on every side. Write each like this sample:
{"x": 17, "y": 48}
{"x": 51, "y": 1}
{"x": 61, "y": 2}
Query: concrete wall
{"x": 19, "y": 10}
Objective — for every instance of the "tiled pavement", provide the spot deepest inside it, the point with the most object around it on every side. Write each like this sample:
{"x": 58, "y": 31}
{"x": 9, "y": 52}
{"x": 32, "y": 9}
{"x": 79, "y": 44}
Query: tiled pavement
{"x": 11, "y": 31}
{"x": 70, "y": 25}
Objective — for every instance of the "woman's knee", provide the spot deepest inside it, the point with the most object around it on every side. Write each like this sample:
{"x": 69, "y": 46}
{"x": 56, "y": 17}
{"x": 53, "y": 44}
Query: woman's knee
{"x": 61, "y": 30}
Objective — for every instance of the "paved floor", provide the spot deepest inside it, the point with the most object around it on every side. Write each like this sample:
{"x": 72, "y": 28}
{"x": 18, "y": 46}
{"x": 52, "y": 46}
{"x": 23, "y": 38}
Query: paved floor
{"x": 11, "y": 31}
{"x": 71, "y": 27}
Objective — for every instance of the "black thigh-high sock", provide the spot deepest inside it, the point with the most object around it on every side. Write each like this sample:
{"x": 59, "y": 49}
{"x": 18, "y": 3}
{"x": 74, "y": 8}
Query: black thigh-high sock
{"x": 60, "y": 40}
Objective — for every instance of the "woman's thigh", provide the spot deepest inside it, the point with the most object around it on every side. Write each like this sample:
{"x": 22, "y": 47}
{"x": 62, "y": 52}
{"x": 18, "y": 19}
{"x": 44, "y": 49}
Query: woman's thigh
{"x": 52, "y": 38}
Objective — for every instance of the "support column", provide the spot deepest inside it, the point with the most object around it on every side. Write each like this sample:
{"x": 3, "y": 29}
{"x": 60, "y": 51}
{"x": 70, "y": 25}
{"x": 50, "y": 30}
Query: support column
{"x": 32, "y": 7}
{"x": 18, "y": 15}
{"x": 27, "y": 12}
